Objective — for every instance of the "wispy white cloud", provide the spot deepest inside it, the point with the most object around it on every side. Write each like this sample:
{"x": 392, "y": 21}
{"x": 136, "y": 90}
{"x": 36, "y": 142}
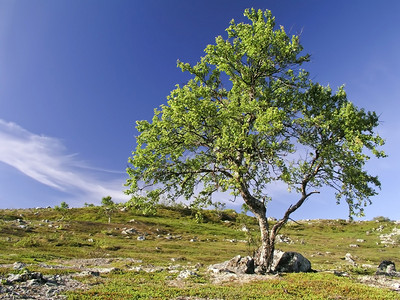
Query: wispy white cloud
{"x": 45, "y": 159}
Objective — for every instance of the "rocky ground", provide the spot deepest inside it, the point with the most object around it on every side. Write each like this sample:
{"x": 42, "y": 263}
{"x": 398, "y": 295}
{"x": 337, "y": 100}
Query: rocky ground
{"x": 24, "y": 284}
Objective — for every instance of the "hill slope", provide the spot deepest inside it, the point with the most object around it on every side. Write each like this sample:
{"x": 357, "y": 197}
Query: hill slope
{"x": 152, "y": 251}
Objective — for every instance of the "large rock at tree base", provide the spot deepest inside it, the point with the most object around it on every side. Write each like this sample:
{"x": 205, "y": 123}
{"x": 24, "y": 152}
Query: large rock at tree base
{"x": 238, "y": 265}
{"x": 290, "y": 262}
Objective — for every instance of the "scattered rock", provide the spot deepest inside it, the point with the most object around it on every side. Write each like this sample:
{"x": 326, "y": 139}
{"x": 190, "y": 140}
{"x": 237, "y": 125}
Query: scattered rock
{"x": 230, "y": 240}
{"x": 244, "y": 228}
{"x": 387, "y": 267}
{"x": 381, "y": 282}
{"x": 354, "y": 246}
{"x": 186, "y": 274}
{"x": 108, "y": 270}
{"x": 12, "y": 278}
{"x": 141, "y": 238}
{"x": 18, "y": 266}
{"x": 280, "y": 238}
{"x": 360, "y": 241}
{"x": 88, "y": 273}
{"x": 175, "y": 259}
{"x": 349, "y": 258}
{"x": 391, "y": 238}
{"x": 238, "y": 265}
{"x": 341, "y": 274}
{"x": 33, "y": 285}
{"x": 127, "y": 231}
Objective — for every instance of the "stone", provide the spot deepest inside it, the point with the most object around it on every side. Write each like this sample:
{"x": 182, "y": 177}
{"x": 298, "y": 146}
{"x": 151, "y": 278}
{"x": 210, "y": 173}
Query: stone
{"x": 283, "y": 239}
{"x": 349, "y": 258}
{"x": 88, "y": 273}
{"x": 386, "y": 267}
{"x": 238, "y": 265}
{"x": 107, "y": 270}
{"x": 26, "y": 276}
{"x": 290, "y": 262}
{"x": 141, "y": 238}
{"x": 341, "y": 274}
{"x": 175, "y": 259}
{"x": 127, "y": 231}
{"x": 391, "y": 238}
{"x": 186, "y": 274}
{"x": 18, "y": 265}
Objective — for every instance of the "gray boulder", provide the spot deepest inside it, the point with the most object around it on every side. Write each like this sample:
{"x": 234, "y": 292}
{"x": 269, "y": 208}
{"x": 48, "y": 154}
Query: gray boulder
{"x": 290, "y": 262}
{"x": 238, "y": 265}
{"x": 387, "y": 267}
{"x": 26, "y": 276}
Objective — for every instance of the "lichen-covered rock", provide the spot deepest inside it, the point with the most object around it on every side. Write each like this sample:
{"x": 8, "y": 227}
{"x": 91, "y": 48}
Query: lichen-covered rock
{"x": 238, "y": 265}
{"x": 290, "y": 262}
{"x": 387, "y": 267}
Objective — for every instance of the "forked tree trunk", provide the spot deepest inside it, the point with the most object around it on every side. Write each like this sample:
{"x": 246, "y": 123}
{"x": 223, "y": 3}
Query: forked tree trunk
{"x": 265, "y": 254}
{"x": 264, "y": 257}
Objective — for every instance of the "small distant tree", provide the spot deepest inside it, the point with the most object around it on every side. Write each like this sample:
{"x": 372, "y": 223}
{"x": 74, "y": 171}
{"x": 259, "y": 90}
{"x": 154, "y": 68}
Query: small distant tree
{"x": 108, "y": 206}
{"x": 219, "y": 207}
{"x": 269, "y": 123}
{"x": 63, "y": 209}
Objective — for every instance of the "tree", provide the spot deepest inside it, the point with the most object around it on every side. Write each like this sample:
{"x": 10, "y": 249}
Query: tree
{"x": 62, "y": 209}
{"x": 269, "y": 123}
{"x": 108, "y": 207}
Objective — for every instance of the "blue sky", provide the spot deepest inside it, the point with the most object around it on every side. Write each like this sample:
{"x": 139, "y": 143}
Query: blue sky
{"x": 76, "y": 75}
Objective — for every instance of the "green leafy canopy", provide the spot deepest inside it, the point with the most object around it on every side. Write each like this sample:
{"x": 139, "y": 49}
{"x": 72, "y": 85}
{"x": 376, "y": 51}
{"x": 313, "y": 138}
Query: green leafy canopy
{"x": 250, "y": 116}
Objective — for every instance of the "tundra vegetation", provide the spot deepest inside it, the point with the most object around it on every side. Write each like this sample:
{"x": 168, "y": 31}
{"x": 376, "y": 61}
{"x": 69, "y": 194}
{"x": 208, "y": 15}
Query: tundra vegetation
{"x": 175, "y": 242}
{"x": 251, "y": 117}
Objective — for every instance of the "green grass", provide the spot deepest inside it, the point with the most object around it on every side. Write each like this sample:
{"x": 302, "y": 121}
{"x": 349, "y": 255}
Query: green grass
{"x": 289, "y": 286}
{"x": 85, "y": 233}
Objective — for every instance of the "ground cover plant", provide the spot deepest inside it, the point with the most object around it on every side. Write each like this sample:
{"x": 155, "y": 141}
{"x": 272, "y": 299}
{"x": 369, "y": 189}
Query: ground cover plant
{"x": 174, "y": 242}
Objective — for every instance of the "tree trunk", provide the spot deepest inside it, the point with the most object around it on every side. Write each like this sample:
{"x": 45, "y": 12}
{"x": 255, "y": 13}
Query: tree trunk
{"x": 265, "y": 254}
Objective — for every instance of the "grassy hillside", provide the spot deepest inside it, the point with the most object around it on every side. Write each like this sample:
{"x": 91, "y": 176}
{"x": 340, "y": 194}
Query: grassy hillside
{"x": 174, "y": 238}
